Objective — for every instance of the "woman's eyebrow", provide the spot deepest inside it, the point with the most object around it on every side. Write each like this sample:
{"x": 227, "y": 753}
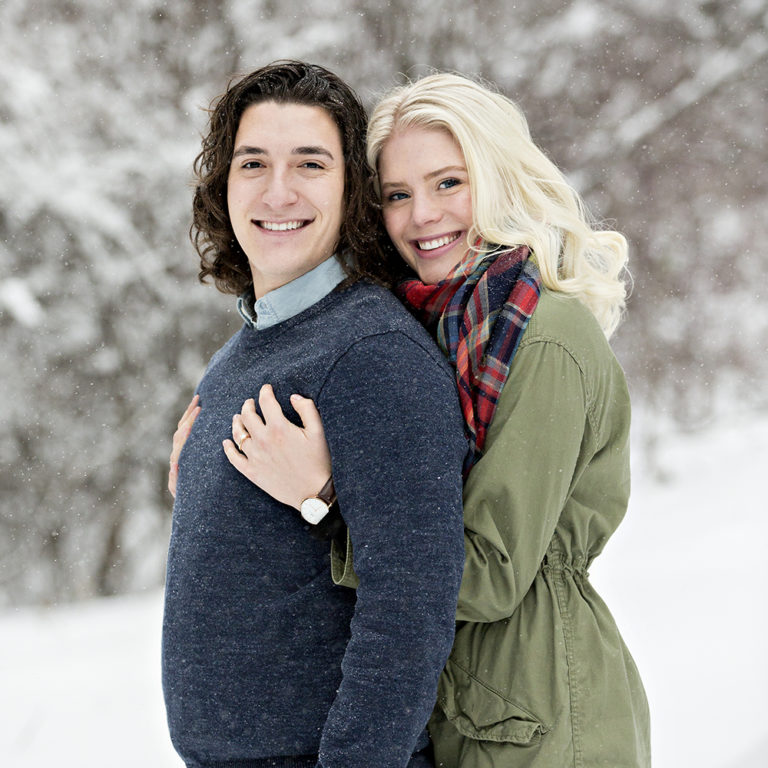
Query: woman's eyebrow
{"x": 441, "y": 171}
{"x": 427, "y": 176}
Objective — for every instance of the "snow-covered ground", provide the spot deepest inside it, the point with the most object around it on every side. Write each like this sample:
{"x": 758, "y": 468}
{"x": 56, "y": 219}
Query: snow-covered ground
{"x": 686, "y": 576}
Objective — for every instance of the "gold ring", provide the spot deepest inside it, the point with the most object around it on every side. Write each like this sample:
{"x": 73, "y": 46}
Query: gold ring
{"x": 240, "y": 442}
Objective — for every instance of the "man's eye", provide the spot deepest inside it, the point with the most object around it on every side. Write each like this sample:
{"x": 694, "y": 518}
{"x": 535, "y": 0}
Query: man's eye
{"x": 253, "y": 164}
{"x": 312, "y": 164}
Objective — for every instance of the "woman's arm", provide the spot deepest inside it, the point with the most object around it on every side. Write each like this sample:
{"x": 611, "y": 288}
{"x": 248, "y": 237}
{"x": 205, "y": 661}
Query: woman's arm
{"x": 515, "y": 494}
{"x": 512, "y": 500}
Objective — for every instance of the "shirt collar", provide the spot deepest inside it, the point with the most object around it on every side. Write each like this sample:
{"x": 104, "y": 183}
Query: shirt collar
{"x": 290, "y": 299}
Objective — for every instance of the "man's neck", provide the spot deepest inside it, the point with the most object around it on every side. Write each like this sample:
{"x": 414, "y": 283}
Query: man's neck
{"x": 292, "y": 298}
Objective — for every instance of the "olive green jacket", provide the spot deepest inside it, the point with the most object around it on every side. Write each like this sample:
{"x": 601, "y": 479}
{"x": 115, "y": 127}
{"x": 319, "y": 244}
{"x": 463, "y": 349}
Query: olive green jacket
{"x": 539, "y": 675}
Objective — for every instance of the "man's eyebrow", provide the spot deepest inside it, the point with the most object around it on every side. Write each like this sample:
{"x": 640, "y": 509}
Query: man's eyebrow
{"x": 312, "y": 150}
{"x": 309, "y": 150}
{"x": 430, "y": 175}
{"x": 244, "y": 150}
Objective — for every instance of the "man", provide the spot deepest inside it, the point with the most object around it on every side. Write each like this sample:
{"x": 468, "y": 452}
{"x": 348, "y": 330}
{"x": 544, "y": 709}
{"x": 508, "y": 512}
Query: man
{"x": 265, "y": 661}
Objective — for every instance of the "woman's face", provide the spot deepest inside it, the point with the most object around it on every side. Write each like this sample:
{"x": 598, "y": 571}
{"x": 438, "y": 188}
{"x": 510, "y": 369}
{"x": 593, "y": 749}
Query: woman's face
{"x": 426, "y": 199}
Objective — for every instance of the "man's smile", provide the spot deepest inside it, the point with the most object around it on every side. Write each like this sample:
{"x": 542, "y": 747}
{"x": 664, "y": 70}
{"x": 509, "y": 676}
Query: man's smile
{"x": 282, "y": 226}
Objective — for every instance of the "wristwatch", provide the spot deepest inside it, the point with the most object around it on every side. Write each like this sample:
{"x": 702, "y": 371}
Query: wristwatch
{"x": 315, "y": 508}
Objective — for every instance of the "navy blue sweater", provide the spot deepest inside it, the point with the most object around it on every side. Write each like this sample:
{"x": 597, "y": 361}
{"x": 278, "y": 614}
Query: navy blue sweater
{"x": 263, "y": 657}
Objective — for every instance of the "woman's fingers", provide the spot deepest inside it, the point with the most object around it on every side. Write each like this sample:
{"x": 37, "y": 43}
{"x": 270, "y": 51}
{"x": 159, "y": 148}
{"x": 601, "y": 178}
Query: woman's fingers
{"x": 183, "y": 428}
{"x": 308, "y": 413}
{"x": 270, "y": 408}
{"x": 230, "y": 449}
{"x": 173, "y": 476}
{"x": 236, "y": 459}
{"x": 240, "y": 433}
{"x": 182, "y": 433}
{"x": 272, "y": 413}
{"x": 288, "y": 462}
{"x": 251, "y": 420}
{"x": 188, "y": 412}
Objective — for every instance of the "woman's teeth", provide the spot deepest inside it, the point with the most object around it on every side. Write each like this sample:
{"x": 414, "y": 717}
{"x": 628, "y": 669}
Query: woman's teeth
{"x": 430, "y": 245}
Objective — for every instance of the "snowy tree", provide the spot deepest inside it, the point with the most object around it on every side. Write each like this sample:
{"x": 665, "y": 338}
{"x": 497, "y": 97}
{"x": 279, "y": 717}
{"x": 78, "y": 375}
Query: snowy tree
{"x": 655, "y": 110}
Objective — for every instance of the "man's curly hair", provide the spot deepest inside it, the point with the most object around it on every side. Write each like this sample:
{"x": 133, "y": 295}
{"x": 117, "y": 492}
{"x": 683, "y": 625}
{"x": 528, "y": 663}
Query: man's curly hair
{"x": 287, "y": 82}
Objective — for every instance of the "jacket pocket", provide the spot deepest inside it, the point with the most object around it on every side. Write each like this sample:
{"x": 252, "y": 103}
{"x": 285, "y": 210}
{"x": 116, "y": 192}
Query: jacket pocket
{"x": 481, "y": 713}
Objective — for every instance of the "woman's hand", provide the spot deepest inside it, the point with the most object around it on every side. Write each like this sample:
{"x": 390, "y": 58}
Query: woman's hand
{"x": 290, "y": 463}
{"x": 180, "y": 436}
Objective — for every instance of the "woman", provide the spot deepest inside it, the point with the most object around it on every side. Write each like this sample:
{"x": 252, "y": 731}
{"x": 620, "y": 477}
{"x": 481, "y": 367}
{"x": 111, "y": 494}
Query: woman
{"x": 521, "y": 294}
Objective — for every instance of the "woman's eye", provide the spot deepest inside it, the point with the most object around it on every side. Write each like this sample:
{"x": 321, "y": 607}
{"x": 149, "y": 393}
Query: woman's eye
{"x": 312, "y": 165}
{"x": 448, "y": 183}
{"x": 253, "y": 164}
{"x": 396, "y": 196}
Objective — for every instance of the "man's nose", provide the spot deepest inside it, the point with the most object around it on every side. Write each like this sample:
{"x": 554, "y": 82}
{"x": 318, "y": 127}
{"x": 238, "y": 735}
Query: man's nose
{"x": 279, "y": 191}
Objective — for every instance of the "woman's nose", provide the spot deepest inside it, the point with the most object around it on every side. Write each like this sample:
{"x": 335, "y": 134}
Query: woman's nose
{"x": 424, "y": 210}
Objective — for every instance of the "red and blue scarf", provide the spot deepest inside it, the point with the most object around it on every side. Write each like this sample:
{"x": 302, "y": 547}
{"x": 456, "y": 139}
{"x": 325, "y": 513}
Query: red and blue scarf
{"x": 478, "y": 315}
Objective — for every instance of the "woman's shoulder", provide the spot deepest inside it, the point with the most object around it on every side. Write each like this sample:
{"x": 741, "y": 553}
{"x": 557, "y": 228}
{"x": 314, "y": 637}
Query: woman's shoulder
{"x": 567, "y": 321}
{"x": 560, "y": 315}
{"x": 562, "y": 333}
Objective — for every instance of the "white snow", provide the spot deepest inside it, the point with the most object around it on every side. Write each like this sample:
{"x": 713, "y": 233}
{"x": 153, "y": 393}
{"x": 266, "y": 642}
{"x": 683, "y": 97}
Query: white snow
{"x": 81, "y": 686}
{"x": 685, "y": 576}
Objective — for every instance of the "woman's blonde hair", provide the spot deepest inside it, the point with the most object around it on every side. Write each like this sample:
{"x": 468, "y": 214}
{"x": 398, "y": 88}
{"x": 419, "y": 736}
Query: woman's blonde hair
{"x": 519, "y": 197}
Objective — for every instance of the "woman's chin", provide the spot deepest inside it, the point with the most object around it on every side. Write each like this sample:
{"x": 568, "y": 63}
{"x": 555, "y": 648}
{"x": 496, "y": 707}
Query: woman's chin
{"x": 429, "y": 274}
{"x": 431, "y": 271}
{"x": 434, "y": 266}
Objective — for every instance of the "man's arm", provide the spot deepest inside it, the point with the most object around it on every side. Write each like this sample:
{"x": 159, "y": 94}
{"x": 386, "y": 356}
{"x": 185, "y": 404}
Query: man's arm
{"x": 396, "y": 438}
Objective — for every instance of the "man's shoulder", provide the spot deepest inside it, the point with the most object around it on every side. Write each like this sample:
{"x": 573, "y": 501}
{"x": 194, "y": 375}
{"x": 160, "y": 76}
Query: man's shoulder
{"x": 224, "y": 353}
{"x": 373, "y": 304}
{"x": 367, "y": 311}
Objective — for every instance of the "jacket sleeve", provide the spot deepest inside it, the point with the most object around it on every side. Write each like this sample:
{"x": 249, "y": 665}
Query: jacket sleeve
{"x": 515, "y": 494}
{"x": 395, "y": 433}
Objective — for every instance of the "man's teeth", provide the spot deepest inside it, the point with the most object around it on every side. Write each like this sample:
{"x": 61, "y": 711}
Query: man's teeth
{"x": 280, "y": 226}
{"x": 430, "y": 245}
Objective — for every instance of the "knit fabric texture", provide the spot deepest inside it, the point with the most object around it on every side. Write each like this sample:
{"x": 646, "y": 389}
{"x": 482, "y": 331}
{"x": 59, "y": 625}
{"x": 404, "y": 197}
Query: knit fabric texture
{"x": 263, "y": 656}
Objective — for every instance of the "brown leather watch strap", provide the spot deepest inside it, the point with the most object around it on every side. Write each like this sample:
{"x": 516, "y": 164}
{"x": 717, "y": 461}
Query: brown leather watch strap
{"x": 328, "y": 493}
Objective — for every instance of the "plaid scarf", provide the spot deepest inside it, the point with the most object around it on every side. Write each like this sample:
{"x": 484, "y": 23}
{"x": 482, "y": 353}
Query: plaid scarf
{"x": 478, "y": 315}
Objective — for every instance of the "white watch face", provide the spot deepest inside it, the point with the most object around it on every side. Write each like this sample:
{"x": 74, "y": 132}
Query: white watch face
{"x": 314, "y": 510}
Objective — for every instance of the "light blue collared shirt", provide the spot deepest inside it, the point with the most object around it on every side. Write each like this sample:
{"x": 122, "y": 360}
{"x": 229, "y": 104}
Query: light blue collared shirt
{"x": 290, "y": 299}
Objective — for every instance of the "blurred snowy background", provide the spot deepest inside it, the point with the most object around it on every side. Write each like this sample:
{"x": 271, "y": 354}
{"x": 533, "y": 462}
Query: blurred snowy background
{"x": 656, "y": 110}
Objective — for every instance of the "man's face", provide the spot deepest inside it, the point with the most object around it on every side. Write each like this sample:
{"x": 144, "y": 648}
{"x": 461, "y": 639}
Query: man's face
{"x": 285, "y": 190}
